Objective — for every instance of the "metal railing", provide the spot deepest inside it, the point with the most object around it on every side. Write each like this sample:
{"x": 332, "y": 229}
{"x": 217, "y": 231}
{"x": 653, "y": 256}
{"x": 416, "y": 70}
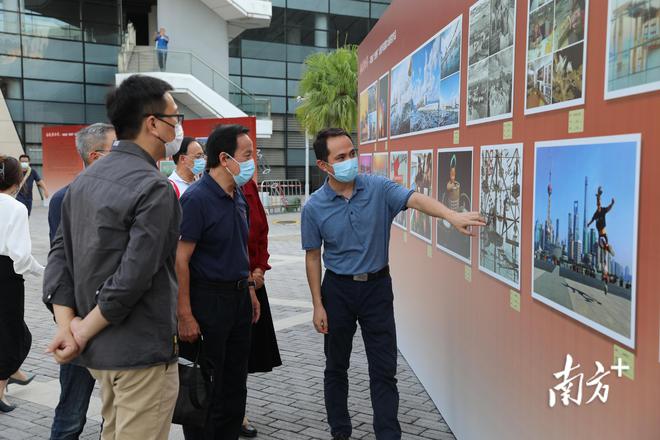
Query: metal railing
{"x": 281, "y": 195}
{"x": 136, "y": 59}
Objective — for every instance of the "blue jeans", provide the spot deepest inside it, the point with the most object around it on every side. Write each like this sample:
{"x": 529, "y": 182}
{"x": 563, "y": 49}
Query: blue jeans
{"x": 162, "y": 59}
{"x": 71, "y": 412}
{"x": 371, "y": 303}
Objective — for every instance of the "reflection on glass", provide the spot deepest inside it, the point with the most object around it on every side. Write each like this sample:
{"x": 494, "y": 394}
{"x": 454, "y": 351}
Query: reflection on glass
{"x": 101, "y": 33}
{"x": 50, "y": 27}
{"x": 10, "y": 44}
{"x": 10, "y": 66}
{"x": 53, "y": 91}
{"x": 53, "y": 112}
{"x": 52, "y": 70}
{"x": 9, "y": 22}
{"x": 37, "y": 47}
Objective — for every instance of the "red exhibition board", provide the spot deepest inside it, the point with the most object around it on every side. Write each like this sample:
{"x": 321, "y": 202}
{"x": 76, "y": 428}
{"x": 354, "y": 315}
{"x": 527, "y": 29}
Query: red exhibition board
{"x": 61, "y": 162}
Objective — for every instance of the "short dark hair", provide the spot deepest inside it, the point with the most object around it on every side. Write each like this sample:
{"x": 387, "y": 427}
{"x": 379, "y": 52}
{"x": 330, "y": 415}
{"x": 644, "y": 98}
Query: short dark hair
{"x": 136, "y": 96}
{"x": 321, "y": 141}
{"x": 223, "y": 139}
{"x": 10, "y": 172}
{"x": 184, "y": 148}
{"x": 23, "y": 156}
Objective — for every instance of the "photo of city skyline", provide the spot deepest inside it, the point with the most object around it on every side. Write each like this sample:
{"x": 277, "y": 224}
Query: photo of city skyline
{"x": 425, "y": 92}
{"x": 585, "y": 230}
{"x": 633, "y": 47}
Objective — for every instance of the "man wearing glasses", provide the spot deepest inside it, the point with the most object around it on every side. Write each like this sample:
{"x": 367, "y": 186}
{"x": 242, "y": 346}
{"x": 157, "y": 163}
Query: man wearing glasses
{"x": 190, "y": 164}
{"x": 110, "y": 276}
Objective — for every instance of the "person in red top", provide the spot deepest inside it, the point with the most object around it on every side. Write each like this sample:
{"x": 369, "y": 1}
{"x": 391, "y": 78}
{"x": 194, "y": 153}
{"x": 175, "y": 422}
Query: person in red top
{"x": 264, "y": 353}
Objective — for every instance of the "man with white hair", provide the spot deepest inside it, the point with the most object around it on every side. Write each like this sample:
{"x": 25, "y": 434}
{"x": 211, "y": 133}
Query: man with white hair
{"x": 92, "y": 142}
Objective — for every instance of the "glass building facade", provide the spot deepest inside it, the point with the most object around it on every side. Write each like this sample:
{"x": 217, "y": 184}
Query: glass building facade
{"x": 57, "y": 61}
{"x": 269, "y": 62}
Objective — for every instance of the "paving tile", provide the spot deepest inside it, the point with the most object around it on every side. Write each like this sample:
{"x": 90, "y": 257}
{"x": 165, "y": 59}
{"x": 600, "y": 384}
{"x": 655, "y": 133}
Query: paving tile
{"x": 286, "y": 404}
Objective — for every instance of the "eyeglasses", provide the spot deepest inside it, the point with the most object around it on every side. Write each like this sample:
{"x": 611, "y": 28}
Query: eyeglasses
{"x": 179, "y": 117}
{"x": 198, "y": 156}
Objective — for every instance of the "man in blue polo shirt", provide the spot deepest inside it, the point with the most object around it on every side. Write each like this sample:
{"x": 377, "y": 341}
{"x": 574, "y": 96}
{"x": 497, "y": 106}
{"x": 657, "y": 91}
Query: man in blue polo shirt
{"x": 217, "y": 297}
{"x": 350, "y": 216}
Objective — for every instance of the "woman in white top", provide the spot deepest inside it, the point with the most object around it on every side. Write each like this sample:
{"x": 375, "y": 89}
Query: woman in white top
{"x": 16, "y": 260}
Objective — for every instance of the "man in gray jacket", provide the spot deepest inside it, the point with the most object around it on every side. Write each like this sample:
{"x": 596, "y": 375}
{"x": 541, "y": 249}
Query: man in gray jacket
{"x": 110, "y": 276}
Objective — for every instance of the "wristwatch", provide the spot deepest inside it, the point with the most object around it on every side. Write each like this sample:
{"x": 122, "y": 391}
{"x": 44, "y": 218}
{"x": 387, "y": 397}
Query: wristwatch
{"x": 252, "y": 284}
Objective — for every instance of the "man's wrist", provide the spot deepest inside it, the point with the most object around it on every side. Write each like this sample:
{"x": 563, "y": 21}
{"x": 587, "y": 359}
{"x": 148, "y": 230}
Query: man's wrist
{"x": 184, "y": 313}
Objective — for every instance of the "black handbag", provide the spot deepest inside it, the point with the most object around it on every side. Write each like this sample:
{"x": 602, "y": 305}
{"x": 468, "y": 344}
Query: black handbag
{"x": 195, "y": 388}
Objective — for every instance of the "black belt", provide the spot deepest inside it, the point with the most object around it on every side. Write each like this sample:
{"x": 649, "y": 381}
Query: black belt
{"x": 363, "y": 276}
{"x": 239, "y": 285}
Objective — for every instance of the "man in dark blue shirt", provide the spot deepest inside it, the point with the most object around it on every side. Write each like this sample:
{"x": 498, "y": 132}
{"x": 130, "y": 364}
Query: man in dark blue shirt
{"x": 351, "y": 216}
{"x": 30, "y": 177}
{"x": 217, "y": 297}
{"x": 92, "y": 143}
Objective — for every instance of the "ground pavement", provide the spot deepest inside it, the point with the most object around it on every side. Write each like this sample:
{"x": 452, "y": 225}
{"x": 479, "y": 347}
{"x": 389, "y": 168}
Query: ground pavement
{"x": 286, "y": 404}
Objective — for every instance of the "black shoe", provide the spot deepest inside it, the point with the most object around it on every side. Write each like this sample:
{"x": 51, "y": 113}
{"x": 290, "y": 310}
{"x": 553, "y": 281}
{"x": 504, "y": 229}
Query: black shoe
{"x": 11, "y": 381}
{"x": 341, "y": 437}
{"x": 5, "y": 407}
{"x": 248, "y": 431}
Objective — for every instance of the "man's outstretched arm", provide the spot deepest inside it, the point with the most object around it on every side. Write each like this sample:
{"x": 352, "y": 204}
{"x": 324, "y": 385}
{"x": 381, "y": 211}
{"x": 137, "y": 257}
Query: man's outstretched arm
{"x": 460, "y": 220}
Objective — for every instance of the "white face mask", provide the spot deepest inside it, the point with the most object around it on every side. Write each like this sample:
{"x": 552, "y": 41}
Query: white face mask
{"x": 172, "y": 147}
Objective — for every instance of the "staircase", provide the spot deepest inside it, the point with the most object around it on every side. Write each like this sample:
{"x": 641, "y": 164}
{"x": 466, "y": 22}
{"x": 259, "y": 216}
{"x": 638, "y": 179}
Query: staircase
{"x": 198, "y": 87}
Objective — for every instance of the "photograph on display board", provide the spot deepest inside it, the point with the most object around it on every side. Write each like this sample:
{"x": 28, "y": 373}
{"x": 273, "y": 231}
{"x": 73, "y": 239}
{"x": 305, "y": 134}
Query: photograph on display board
{"x": 367, "y": 113}
{"x": 425, "y": 89}
{"x": 383, "y": 113}
{"x": 500, "y": 203}
{"x": 399, "y": 174}
{"x": 379, "y": 164}
{"x": 364, "y": 163}
{"x": 491, "y": 52}
{"x": 454, "y": 172}
{"x": 633, "y": 47}
{"x": 556, "y": 54}
{"x": 585, "y": 231}
{"x": 401, "y": 98}
{"x": 421, "y": 180}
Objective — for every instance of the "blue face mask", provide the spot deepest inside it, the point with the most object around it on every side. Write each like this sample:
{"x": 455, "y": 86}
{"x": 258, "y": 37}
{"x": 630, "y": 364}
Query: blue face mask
{"x": 346, "y": 171}
{"x": 199, "y": 166}
{"x": 246, "y": 172}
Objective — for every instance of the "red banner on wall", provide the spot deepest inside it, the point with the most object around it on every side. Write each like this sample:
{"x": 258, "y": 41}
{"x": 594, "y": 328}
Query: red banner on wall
{"x": 61, "y": 162}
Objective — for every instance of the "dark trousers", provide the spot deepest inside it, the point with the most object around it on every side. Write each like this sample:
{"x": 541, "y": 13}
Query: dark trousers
{"x": 71, "y": 412}
{"x": 26, "y": 201}
{"x": 225, "y": 319}
{"x": 371, "y": 304}
{"x": 162, "y": 59}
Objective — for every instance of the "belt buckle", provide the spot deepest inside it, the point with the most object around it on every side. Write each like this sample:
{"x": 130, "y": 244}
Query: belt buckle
{"x": 241, "y": 284}
{"x": 361, "y": 277}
